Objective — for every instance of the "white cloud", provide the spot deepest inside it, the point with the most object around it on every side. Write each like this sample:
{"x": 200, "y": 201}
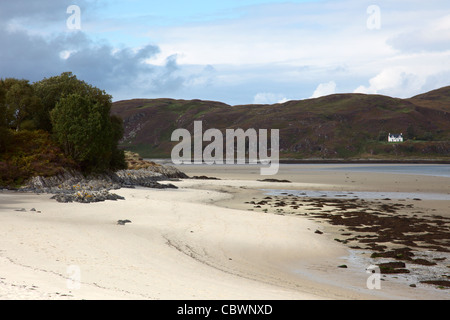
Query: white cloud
{"x": 394, "y": 82}
{"x": 429, "y": 36}
{"x": 407, "y": 75}
{"x": 324, "y": 89}
{"x": 65, "y": 54}
{"x": 279, "y": 39}
{"x": 266, "y": 49}
{"x": 269, "y": 98}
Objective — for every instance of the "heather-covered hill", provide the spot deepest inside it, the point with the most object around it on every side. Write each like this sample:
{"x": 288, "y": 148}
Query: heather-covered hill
{"x": 335, "y": 126}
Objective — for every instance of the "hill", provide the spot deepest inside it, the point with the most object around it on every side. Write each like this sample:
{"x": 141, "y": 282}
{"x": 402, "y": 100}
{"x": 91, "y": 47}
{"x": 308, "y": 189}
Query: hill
{"x": 331, "y": 127}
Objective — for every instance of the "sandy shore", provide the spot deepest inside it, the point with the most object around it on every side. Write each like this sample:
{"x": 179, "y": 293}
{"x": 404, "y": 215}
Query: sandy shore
{"x": 196, "y": 242}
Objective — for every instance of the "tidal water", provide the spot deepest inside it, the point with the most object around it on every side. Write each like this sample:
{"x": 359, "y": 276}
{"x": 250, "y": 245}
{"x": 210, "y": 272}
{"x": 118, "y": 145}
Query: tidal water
{"x": 438, "y": 170}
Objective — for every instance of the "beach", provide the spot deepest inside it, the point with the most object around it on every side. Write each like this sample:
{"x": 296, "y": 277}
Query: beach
{"x": 203, "y": 240}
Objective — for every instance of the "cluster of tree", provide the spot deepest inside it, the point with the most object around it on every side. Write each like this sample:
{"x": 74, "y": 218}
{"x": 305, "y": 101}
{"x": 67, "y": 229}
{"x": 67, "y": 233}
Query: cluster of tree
{"x": 75, "y": 114}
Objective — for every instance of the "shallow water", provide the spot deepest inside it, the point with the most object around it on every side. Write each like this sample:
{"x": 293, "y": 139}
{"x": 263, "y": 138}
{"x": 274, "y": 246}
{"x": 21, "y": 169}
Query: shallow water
{"x": 437, "y": 170}
{"x": 358, "y": 194}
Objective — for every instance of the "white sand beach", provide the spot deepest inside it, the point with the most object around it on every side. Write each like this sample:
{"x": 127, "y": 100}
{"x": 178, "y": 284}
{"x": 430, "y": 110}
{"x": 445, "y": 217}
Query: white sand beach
{"x": 195, "y": 242}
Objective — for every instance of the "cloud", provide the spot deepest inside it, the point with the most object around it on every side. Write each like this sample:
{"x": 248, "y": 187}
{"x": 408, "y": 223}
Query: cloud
{"x": 102, "y": 64}
{"x": 97, "y": 62}
{"x": 167, "y": 78}
{"x": 204, "y": 78}
{"x": 288, "y": 47}
{"x": 415, "y": 75}
{"x": 431, "y": 36}
{"x": 436, "y": 80}
{"x": 265, "y": 47}
{"x": 33, "y": 55}
{"x": 324, "y": 89}
{"x": 269, "y": 98}
{"x": 49, "y": 10}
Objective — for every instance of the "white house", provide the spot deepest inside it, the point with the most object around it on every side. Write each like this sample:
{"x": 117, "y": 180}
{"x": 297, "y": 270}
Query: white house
{"x": 395, "y": 137}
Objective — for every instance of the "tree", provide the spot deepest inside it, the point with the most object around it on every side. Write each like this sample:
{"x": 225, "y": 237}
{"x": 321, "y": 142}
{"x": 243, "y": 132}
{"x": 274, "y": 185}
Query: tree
{"x": 4, "y": 131}
{"x": 118, "y": 156}
{"x": 3, "y": 117}
{"x": 19, "y": 102}
{"x": 411, "y": 132}
{"x": 81, "y": 131}
{"x": 428, "y": 136}
{"x": 51, "y": 90}
{"x": 78, "y": 114}
{"x": 382, "y": 136}
{"x": 87, "y": 133}
{"x": 75, "y": 113}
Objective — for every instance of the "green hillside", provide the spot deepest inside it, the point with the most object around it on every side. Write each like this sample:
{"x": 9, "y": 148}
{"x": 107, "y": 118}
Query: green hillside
{"x": 331, "y": 127}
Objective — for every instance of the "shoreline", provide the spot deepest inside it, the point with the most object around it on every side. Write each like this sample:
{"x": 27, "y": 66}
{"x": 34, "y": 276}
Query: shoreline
{"x": 417, "y": 207}
{"x": 199, "y": 241}
{"x": 341, "y": 161}
{"x": 241, "y": 201}
{"x": 365, "y": 161}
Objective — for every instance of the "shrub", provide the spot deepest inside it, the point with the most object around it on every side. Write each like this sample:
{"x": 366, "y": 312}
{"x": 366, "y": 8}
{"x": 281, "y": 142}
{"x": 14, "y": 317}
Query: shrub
{"x": 31, "y": 153}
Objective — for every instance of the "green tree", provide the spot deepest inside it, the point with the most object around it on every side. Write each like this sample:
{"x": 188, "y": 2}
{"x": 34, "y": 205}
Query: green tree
{"x": 118, "y": 156}
{"x": 411, "y": 132}
{"x": 81, "y": 131}
{"x": 5, "y": 138}
{"x": 51, "y": 90}
{"x": 19, "y": 102}
{"x": 5, "y": 135}
{"x": 87, "y": 133}
{"x": 78, "y": 114}
{"x": 382, "y": 136}
{"x": 428, "y": 136}
{"x": 3, "y": 117}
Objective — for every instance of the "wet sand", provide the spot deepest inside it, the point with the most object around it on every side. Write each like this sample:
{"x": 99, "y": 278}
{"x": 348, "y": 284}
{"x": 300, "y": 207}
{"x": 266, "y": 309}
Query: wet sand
{"x": 394, "y": 227}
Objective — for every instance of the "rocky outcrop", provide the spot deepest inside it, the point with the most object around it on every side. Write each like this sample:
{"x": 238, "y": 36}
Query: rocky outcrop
{"x": 86, "y": 196}
{"x": 170, "y": 172}
{"x": 73, "y": 186}
{"x": 136, "y": 162}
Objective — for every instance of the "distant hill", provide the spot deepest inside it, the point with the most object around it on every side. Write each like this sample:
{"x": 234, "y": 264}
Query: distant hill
{"x": 439, "y": 95}
{"x": 339, "y": 126}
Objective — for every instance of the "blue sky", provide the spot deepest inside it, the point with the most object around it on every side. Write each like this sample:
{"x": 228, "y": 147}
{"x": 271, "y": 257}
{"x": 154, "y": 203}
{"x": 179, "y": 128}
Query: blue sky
{"x": 238, "y": 52}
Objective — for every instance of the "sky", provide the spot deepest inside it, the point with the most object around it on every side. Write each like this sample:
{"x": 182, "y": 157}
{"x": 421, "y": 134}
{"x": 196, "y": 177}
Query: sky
{"x": 237, "y": 52}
